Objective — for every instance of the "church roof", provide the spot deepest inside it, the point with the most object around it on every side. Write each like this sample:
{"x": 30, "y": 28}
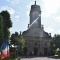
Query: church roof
{"x": 36, "y": 33}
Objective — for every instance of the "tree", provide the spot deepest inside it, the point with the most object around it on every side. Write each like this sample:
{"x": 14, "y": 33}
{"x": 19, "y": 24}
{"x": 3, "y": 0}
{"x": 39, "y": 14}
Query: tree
{"x": 6, "y": 19}
{"x": 55, "y": 43}
{"x": 7, "y": 23}
{"x": 1, "y": 29}
{"x": 14, "y": 38}
{"x": 18, "y": 40}
{"x": 21, "y": 41}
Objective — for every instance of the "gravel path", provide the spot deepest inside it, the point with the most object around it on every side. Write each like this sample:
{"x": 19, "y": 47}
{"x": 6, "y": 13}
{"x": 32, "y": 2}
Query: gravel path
{"x": 40, "y": 58}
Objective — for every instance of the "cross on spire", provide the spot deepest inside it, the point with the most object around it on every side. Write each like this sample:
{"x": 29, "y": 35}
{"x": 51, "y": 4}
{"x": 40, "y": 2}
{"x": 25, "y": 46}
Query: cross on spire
{"x": 35, "y": 2}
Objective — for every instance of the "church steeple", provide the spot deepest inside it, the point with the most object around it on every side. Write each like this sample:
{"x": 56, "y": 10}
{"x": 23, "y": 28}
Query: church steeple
{"x": 35, "y": 2}
{"x": 35, "y": 13}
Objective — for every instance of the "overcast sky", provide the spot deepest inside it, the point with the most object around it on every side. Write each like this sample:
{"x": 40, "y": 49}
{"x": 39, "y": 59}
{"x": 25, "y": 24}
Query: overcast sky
{"x": 19, "y": 11}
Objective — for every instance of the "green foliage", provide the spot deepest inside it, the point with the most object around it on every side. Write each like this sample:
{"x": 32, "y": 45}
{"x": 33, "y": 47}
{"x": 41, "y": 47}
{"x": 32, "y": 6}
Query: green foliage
{"x": 14, "y": 38}
{"x": 6, "y": 19}
{"x": 16, "y": 34}
{"x": 57, "y": 52}
{"x": 7, "y": 23}
{"x": 1, "y": 28}
{"x": 55, "y": 43}
{"x": 19, "y": 40}
{"x": 51, "y": 44}
{"x": 7, "y": 33}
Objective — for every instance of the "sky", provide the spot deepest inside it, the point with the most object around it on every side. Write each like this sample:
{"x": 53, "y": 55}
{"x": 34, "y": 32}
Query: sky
{"x": 19, "y": 11}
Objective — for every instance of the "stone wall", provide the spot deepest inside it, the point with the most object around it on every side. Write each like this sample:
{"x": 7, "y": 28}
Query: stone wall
{"x": 37, "y": 43}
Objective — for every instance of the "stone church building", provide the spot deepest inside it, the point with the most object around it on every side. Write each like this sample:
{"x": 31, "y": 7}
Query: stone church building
{"x": 36, "y": 39}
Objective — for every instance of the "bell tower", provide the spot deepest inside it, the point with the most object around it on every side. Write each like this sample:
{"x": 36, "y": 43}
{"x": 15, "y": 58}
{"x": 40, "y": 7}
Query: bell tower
{"x": 37, "y": 40}
{"x": 35, "y": 16}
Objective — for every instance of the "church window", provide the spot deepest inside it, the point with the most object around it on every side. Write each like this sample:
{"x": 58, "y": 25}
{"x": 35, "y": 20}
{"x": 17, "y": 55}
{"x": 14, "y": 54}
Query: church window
{"x": 35, "y": 43}
{"x": 45, "y": 43}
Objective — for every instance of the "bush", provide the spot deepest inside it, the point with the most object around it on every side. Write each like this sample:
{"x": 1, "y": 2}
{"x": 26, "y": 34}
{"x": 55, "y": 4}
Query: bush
{"x": 58, "y": 53}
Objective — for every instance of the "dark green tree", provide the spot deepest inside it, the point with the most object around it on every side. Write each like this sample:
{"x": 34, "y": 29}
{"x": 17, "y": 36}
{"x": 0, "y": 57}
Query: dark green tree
{"x": 19, "y": 40}
{"x": 1, "y": 29}
{"x": 14, "y": 38}
{"x": 55, "y": 43}
{"x": 7, "y": 23}
{"x": 16, "y": 34}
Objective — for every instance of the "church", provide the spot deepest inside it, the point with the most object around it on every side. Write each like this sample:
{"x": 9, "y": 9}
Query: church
{"x": 36, "y": 39}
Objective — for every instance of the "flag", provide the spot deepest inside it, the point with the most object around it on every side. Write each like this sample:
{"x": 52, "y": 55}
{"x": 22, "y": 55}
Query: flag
{"x": 5, "y": 49}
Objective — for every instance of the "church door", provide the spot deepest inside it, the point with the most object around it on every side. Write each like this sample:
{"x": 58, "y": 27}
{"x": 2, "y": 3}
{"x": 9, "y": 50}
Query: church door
{"x": 35, "y": 51}
{"x": 25, "y": 50}
{"x": 45, "y": 51}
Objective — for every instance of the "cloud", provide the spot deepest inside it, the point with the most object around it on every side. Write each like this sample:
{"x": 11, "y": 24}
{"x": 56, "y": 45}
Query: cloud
{"x": 49, "y": 29}
{"x": 17, "y": 20}
{"x": 51, "y": 7}
{"x": 58, "y": 31}
{"x": 28, "y": 7}
{"x": 27, "y": 13}
{"x": 58, "y": 18}
{"x": 17, "y": 16}
{"x": 13, "y": 2}
{"x": 9, "y": 9}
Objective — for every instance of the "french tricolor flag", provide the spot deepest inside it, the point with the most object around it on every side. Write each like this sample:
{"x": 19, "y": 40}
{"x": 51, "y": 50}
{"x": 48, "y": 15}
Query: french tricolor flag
{"x": 5, "y": 49}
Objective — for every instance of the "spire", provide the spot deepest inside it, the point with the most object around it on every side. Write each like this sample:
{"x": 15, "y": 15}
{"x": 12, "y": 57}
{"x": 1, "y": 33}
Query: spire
{"x": 35, "y": 2}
